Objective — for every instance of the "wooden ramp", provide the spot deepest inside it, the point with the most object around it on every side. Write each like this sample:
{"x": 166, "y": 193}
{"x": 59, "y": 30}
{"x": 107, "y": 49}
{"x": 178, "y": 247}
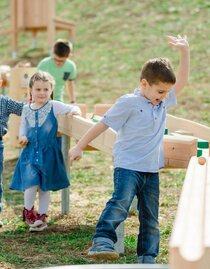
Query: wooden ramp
{"x": 190, "y": 240}
{"x": 112, "y": 266}
{"x": 178, "y": 148}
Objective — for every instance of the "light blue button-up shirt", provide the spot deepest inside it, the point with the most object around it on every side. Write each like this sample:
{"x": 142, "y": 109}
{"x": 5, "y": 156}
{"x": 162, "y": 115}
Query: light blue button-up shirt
{"x": 140, "y": 129}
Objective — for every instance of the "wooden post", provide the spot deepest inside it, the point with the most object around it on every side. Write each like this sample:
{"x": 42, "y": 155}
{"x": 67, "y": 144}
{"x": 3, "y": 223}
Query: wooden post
{"x": 14, "y": 26}
{"x": 65, "y": 192}
{"x": 50, "y": 24}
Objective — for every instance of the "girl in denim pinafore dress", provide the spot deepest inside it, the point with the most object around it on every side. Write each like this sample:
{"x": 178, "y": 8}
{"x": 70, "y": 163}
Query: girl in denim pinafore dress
{"x": 41, "y": 166}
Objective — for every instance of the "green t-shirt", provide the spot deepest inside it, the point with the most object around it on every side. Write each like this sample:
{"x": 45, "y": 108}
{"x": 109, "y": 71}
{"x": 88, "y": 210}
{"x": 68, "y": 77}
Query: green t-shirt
{"x": 61, "y": 74}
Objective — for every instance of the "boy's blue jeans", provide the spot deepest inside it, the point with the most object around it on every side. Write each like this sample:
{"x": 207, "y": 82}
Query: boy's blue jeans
{"x": 1, "y": 170}
{"x": 127, "y": 184}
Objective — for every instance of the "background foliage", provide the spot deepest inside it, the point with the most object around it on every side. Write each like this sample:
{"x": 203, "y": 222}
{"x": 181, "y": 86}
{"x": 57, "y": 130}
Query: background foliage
{"x": 113, "y": 39}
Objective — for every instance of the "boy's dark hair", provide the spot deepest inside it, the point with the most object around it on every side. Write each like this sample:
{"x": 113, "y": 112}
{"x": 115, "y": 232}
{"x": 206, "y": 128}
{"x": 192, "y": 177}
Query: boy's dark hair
{"x": 158, "y": 70}
{"x": 62, "y": 48}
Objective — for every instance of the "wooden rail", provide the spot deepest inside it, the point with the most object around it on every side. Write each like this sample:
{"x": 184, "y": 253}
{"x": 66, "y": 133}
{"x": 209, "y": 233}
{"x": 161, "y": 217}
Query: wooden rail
{"x": 112, "y": 266}
{"x": 190, "y": 240}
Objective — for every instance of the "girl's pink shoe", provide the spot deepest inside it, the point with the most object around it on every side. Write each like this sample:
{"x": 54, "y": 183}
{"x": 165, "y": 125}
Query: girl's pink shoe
{"x": 40, "y": 224}
{"x": 29, "y": 216}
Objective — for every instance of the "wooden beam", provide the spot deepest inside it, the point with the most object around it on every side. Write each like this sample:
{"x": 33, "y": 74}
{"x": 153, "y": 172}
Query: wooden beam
{"x": 111, "y": 266}
{"x": 190, "y": 239}
{"x": 101, "y": 109}
{"x": 197, "y": 130}
{"x": 178, "y": 150}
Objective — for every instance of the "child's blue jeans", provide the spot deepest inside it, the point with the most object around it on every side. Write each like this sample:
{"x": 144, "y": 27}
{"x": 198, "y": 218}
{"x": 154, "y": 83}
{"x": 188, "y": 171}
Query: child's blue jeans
{"x": 1, "y": 170}
{"x": 127, "y": 184}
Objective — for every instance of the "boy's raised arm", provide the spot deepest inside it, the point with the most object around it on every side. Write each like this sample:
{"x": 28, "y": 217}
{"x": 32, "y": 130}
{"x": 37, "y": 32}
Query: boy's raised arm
{"x": 76, "y": 152}
{"x": 181, "y": 44}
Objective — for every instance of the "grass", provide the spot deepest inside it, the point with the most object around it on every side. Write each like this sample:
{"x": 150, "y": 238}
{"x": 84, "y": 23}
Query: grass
{"x": 68, "y": 237}
{"x": 113, "y": 39}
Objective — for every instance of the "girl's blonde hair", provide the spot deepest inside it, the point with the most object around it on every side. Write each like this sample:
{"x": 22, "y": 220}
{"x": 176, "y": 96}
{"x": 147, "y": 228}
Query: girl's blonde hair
{"x": 43, "y": 76}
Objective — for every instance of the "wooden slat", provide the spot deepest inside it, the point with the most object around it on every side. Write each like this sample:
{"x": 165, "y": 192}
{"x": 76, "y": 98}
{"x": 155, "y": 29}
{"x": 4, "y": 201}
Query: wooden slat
{"x": 178, "y": 150}
{"x": 112, "y": 266}
{"x": 190, "y": 240}
{"x": 198, "y": 130}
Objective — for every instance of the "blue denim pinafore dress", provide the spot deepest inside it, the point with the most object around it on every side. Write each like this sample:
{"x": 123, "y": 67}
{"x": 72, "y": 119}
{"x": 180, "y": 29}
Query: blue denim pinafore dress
{"x": 41, "y": 162}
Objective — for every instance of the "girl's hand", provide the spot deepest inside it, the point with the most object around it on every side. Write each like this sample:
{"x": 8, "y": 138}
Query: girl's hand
{"x": 23, "y": 141}
{"x": 178, "y": 42}
{"x": 75, "y": 154}
{"x": 70, "y": 114}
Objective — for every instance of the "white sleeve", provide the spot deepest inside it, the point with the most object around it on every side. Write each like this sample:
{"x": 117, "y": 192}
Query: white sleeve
{"x": 60, "y": 108}
{"x": 22, "y": 127}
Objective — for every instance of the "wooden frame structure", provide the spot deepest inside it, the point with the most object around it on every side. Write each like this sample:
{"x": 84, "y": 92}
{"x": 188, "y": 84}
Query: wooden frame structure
{"x": 34, "y": 16}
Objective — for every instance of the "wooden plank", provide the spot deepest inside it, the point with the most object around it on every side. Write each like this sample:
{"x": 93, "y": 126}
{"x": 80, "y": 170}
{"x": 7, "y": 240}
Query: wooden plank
{"x": 112, "y": 266}
{"x": 101, "y": 109}
{"x": 18, "y": 90}
{"x": 198, "y": 130}
{"x": 178, "y": 150}
{"x": 83, "y": 108}
{"x": 190, "y": 239}
{"x": 76, "y": 127}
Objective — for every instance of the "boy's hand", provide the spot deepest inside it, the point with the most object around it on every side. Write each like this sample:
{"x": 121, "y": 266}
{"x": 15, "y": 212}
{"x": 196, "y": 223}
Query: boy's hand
{"x": 75, "y": 154}
{"x": 178, "y": 42}
{"x": 23, "y": 141}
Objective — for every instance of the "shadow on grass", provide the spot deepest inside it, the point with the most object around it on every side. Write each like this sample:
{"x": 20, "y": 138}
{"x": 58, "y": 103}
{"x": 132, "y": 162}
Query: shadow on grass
{"x": 59, "y": 244}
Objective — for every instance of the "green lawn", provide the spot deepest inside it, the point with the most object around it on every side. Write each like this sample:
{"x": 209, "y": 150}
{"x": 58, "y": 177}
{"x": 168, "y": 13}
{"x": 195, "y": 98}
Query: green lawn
{"x": 113, "y": 39}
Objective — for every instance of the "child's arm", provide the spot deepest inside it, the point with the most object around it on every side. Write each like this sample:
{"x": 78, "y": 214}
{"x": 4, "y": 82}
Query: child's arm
{"x": 76, "y": 152}
{"x": 60, "y": 108}
{"x": 14, "y": 107}
{"x": 72, "y": 91}
{"x": 22, "y": 131}
{"x": 181, "y": 44}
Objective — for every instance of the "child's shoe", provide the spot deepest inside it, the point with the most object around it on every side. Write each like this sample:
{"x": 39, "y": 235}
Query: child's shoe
{"x": 29, "y": 216}
{"x": 103, "y": 251}
{"x": 1, "y": 223}
{"x": 40, "y": 224}
{"x": 146, "y": 259}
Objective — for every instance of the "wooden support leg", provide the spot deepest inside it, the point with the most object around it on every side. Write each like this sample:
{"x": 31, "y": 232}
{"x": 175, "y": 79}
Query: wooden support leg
{"x": 33, "y": 41}
{"x": 65, "y": 192}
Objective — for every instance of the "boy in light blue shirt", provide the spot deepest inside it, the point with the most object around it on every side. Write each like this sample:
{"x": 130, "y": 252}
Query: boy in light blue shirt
{"x": 139, "y": 120}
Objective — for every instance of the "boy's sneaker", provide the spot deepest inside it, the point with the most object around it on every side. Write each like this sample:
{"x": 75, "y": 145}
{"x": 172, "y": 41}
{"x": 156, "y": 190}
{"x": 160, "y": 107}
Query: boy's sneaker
{"x": 1, "y": 223}
{"x": 103, "y": 251}
{"x": 40, "y": 224}
{"x": 146, "y": 259}
{"x": 29, "y": 216}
